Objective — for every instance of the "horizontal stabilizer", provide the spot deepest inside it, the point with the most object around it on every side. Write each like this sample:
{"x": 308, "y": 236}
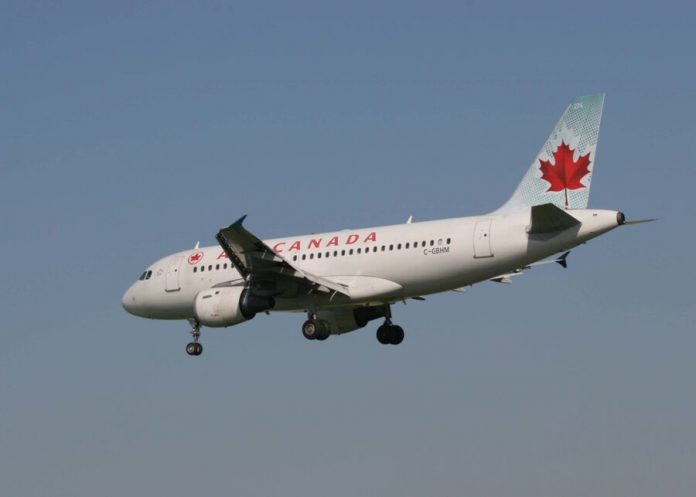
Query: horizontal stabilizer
{"x": 548, "y": 218}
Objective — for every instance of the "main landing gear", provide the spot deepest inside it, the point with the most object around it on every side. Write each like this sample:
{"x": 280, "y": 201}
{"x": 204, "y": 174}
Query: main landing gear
{"x": 315, "y": 329}
{"x": 389, "y": 333}
{"x": 195, "y": 348}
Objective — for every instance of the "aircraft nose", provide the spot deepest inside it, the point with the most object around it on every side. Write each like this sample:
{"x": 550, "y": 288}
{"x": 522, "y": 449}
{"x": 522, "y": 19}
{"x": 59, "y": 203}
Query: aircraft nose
{"x": 129, "y": 301}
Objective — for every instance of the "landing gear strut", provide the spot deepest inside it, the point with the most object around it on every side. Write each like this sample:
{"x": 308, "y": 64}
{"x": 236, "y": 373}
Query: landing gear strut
{"x": 194, "y": 348}
{"x": 388, "y": 333}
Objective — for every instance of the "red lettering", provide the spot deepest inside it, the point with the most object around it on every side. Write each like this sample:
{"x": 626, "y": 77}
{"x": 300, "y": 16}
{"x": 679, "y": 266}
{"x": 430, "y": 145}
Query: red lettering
{"x": 352, "y": 239}
{"x": 372, "y": 237}
{"x": 295, "y": 246}
{"x": 314, "y": 243}
{"x": 222, "y": 255}
{"x": 333, "y": 241}
{"x": 277, "y": 247}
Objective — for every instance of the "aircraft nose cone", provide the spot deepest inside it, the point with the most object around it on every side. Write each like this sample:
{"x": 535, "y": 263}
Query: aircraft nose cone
{"x": 128, "y": 301}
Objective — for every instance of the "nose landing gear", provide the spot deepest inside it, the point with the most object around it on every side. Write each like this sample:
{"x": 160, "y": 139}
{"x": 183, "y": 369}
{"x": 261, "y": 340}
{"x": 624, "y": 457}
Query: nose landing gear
{"x": 194, "y": 348}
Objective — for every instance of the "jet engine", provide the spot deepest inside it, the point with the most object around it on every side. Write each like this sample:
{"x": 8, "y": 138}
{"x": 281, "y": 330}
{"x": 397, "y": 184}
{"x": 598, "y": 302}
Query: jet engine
{"x": 227, "y": 306}
{"x": 349, "y": 319}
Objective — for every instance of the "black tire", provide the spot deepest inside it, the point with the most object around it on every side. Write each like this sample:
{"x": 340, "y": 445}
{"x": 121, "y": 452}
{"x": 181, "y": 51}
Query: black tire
{"x": 310, "y": 329}
{"x": 191, "y": 348}
{"x": 384, "y": 334}
{"x": 199, "y": 349}
{"x": 324, "y": 330}
{"x": 397, "y": 335}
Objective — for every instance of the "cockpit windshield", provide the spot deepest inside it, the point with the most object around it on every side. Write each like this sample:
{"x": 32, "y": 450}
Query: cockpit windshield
{"x": 145, "y": 276}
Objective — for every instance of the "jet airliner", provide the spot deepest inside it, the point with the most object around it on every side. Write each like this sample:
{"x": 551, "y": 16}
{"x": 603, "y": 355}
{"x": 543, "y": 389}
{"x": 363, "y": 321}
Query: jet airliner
{"x": 343, "y": 280}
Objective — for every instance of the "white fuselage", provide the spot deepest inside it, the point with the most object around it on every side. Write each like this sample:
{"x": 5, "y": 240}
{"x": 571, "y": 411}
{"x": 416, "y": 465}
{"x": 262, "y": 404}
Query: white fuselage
{"x": 379, "y": 265}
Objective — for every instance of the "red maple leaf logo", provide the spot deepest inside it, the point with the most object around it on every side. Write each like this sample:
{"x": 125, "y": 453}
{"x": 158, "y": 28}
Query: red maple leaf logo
{"x": 194, "y": 258}
{"x": 565, "y": 174}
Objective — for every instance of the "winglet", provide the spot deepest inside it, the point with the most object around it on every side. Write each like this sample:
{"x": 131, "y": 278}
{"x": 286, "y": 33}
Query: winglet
{"x": 238, "y": 223}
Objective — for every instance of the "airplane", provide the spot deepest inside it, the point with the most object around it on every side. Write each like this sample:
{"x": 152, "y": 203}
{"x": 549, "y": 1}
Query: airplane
{"x": 344, "y": 279}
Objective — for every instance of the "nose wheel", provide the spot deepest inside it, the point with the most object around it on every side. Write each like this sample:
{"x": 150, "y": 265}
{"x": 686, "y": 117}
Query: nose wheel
{"x": 194, "y": 348}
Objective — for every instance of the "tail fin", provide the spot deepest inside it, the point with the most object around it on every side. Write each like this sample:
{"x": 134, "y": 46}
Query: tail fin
{"x": 561, "y": 173}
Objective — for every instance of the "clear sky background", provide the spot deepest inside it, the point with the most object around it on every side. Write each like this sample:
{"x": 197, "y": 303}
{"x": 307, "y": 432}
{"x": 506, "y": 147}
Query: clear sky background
{"x": 129, "y": 131}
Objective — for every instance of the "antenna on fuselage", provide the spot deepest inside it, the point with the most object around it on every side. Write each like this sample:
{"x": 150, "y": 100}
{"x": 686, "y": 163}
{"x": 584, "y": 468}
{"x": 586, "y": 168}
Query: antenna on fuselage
{"x": 409, "y": 220}
{"x": 197, "y": 245}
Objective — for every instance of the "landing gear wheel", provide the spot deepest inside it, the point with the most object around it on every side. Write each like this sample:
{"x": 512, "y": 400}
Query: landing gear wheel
{"x": 390, "y": 334}
{"x": 397, "y": 335}
{"x": 192, "y": 348}
{"x": 315, "y": 329}
{"x": 199, "y": 349}
{"x": 310, "y": 329}
{"x": 324, "y": 331}
{"x": 384, "y": 334}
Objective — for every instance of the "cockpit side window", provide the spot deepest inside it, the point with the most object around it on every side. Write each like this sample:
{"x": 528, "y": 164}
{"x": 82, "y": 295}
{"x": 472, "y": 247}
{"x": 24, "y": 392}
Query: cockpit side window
{"x": 142, "y": 276}
{"x": 149, "y": 274}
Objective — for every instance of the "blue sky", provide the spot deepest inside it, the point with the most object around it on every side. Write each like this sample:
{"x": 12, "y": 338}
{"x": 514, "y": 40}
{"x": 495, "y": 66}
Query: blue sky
{"x": 130, "y": 131}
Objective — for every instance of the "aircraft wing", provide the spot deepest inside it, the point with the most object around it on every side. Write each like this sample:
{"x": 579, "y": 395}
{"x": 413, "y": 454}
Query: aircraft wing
{"x": 257, "y": 261}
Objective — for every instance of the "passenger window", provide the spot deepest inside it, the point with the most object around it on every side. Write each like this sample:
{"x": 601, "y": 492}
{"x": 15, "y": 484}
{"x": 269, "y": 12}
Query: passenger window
{"x": 319, "y": 255}
{"x": 448, "y": 241}
{"x": 391, "y": 247}
{"x": 304, "y": 256}
{"x": 195, "y": 269}
{"x": 210, "y": 267}
{"x": 407, "y": 245}
{"x": 398, "y": 247}
{"x": 294, "y": 257}
{"x": 224, "y": 266}
{"x": 311, "y": 256}
{"x": 202, "y": 268}
{"x": 358, "y": 251}
{"x": 374, "y": 249}
{"x": 432, "y": 242}
{"x": 343, "y": 252}
{"x": 423, "y": 244}
{"x": 383, "y": 247}
{"x": 217, "y": 267}
{"x": 335, "y": 253}
{"x": 350, "y": 252}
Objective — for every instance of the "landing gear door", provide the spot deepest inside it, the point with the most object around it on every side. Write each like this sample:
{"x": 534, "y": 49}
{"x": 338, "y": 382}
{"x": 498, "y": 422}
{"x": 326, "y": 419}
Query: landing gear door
{"x": 172, "y": 277}
{"x": 482, "y": 239}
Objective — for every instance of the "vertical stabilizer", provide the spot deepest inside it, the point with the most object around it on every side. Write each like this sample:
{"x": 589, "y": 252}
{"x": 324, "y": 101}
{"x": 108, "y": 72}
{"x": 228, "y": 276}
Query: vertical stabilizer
{"x": 561, "y": 173}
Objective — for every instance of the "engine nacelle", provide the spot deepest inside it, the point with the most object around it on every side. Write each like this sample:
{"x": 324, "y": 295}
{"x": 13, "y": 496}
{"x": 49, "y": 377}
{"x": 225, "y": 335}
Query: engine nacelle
{"x": 345, "y": 320}
{"x": 227, "y": 306}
